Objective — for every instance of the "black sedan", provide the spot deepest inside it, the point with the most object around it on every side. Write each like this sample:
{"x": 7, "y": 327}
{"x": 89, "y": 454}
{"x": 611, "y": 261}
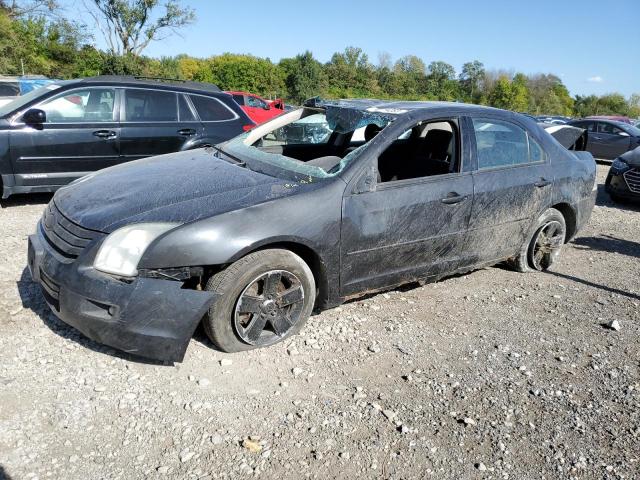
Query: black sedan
{"x": 608, "y": 139}
{"x": 248, "y": 237}
{"x": 623, "y": 180}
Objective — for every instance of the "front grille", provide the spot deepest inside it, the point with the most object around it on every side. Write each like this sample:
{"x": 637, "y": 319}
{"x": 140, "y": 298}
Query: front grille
{"x": 632, "y": 177}
{"x": 64, "y": 236}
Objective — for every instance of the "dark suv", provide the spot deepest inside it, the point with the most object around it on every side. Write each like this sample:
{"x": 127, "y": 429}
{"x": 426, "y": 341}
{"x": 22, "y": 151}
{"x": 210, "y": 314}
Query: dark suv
{"x": 61, "y": 132}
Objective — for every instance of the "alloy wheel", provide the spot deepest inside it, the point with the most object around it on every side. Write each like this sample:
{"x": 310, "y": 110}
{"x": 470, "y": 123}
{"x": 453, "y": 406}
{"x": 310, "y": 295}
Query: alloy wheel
{"x": 269, "y": 308}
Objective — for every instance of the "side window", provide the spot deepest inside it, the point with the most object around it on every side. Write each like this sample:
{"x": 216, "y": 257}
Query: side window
{"x": 239, "y": 99}
{"x": 211, "y": 109}
{"x": 255, "y": 102}
{"x": 78, "y": 106}
{"x": 608, "y": 128}
{"x": 150, "y": 106}
{"x": 500, "y": 144}
{"x": 591, "y": 126}
{"x": 184, "y": 111}
{"x": 536, "y": 153}
{"x": 428, "y": 149}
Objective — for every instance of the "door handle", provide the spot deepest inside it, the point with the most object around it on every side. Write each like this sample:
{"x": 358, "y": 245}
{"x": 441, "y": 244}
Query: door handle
{"x": 187, "y": 132}
{"x": 452, "y": 198}
{"x": 542, "y": 183}
{"x": 106, "y": 134}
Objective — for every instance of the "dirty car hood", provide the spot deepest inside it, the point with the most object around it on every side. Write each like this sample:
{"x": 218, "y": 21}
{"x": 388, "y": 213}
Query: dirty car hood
{"x": 632, "y": 157}
{"x": 179, "y": 187}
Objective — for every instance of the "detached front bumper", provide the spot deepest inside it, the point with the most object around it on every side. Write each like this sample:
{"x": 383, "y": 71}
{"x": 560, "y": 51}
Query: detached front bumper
{"x": 147, "y": 317}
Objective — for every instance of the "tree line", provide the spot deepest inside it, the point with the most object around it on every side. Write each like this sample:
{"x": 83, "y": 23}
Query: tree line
{"x": 36, "y": 41}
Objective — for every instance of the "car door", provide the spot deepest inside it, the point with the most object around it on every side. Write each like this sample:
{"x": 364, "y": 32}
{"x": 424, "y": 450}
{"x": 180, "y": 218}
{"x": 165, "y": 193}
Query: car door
{"x": 151, "y": 125}
{"x": 81, "y": 134}
{"x": 512, "y": 185}
{"x": 407, "y": 226}
{"x": 610, "y": 141}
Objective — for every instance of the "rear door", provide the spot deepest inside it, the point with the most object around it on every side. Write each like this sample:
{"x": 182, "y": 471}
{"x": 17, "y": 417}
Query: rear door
{"x": 610, "y": 141}
{"x": 151, "y": 124}
{"x": 512, "y": 185}
{"x": 81, "y": 135}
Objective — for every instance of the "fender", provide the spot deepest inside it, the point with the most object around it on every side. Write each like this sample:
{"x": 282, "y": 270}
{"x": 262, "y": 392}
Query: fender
{"x": 225, "y": 238}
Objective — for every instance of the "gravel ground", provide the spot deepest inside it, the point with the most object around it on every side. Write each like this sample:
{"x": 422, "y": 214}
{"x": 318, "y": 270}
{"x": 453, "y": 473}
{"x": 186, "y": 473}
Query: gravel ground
{"x": 494, "y": 374}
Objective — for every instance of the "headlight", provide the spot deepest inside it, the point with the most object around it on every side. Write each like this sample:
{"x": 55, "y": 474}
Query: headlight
{"x": 121, "y": 251}
{"x": 619, "y": 166}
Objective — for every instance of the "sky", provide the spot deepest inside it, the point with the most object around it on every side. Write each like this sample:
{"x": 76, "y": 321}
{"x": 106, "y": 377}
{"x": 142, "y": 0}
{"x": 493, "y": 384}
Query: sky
{"x": 593, "y": 46}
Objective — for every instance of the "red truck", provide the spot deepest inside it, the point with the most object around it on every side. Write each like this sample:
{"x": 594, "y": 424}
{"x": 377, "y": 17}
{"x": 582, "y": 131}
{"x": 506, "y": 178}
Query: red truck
{"x": 257, "y": 108}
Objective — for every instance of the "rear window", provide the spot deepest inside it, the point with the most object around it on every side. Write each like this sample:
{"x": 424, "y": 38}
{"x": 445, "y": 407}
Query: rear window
{"x": 239, "y": 99}
{"x": 503, "y": 144}
{"x": 211, "y": 109}
{"x": 150, "y": 106}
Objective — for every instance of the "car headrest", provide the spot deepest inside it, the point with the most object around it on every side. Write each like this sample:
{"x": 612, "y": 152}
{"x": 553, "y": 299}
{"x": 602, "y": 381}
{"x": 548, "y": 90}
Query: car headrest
{"x": 371, "y": 131}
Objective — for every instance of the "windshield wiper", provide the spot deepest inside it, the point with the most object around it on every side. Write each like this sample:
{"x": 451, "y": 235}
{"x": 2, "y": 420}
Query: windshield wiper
{"x": 229, "y": 158}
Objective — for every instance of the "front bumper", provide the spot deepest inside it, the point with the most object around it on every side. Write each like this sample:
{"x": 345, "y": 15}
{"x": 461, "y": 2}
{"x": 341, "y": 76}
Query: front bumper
{"x": 147, "y": 317}
{"x": 617, "y": 186}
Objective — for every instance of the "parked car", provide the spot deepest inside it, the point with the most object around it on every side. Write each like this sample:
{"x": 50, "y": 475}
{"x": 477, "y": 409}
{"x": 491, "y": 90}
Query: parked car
{"x": 608, "y": 139}
{"x": 258, "y": 109}
{"x": 553, "y": 119}
{"x": 623, "y": 179}
{"x": 570, "y": 137}
{"x": 13, "y": 87}
{"x": 51, "y": 136}
{"x": 249, "y": 236}
{"x": 616, "y": 118}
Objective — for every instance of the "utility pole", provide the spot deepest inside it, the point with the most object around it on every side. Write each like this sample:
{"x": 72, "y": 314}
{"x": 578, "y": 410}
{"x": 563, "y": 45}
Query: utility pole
{"x": 22, "y": 64}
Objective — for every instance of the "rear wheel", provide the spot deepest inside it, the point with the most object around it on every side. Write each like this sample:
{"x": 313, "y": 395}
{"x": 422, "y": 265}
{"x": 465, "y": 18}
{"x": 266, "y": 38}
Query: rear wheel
{"x": 544, "y": 244}
{"x": 266, "y": 297}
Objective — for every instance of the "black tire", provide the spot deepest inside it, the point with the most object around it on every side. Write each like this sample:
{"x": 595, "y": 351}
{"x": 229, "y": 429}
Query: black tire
{"x": 230, "y": 329}
{"x": 537, "y": 254}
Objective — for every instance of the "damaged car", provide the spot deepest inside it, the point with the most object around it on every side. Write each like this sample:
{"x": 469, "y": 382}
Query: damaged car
{"x": 249, "y": 236}
{"x": 623, "y": 179}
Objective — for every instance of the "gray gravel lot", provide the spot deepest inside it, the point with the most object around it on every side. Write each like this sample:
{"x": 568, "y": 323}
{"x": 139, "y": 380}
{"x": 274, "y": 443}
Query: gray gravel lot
{"x": 494, "y": 374}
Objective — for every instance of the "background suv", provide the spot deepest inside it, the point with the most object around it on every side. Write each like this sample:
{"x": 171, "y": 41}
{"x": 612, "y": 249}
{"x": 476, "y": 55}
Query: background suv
{"x": 67, "y": 129}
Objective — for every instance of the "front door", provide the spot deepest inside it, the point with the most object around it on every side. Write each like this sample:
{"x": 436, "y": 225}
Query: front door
{"x": 81, "y": 134}
{"x": 413, "y": 224}
{"x": 609, "y": 142}
{"x": 151, "y": 125}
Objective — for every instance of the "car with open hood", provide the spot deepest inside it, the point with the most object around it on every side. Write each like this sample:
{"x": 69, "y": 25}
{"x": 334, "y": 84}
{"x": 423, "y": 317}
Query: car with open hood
{"x": 249, "y": 236}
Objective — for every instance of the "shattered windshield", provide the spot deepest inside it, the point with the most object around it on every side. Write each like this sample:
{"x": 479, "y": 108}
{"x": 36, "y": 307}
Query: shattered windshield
{"x": 308, "y": 144}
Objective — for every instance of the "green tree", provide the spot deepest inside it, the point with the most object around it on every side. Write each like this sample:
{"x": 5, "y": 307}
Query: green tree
{"x": 304, "y": 77}
{"x": 501, "y": 94}
{"x": 246, "y": 72}
{"x": 129, "y": 26}
{"x": 350, "y": 74}
{"x": 470, "y": 80}
{"x": 441, "y": 83}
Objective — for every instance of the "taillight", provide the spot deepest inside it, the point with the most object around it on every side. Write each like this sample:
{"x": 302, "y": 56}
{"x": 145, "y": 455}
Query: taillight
{"x": 246, "y": 128}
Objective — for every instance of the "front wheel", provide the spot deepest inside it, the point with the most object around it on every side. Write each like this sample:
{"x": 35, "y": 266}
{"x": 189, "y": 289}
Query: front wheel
{"x": 266, "y": 297}
{"x": 543, "y": 247}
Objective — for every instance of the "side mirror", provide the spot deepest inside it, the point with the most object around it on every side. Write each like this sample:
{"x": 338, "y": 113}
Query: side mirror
{"x": 34, "y": 116}
{"x": 267, "y": 107}
{"x": 623, "y": 134}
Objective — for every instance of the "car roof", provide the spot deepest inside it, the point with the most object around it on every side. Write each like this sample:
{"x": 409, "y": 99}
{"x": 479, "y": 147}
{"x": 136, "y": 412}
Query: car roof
{"x": 129, "y": 81}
